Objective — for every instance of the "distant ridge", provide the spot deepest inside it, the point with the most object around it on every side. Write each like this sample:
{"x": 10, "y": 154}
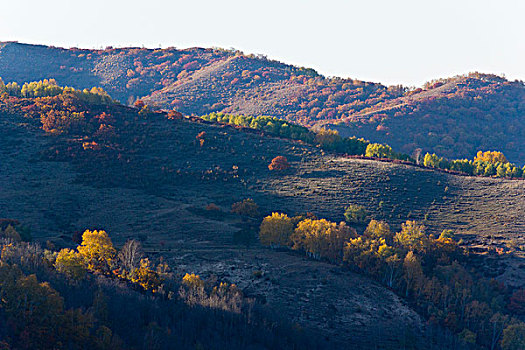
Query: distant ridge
{"x": 454, "y": 117}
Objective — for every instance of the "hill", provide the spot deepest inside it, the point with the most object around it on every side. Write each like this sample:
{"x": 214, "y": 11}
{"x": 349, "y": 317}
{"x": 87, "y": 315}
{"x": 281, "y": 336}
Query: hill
{"x": 452, "y": 117}
{"x": 69, "y": 164}
{"x": 157, "y": 180}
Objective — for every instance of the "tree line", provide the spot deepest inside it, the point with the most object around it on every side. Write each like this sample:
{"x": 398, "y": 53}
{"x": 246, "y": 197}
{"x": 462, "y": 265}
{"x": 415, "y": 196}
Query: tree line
{"x": 50, "y": 88}
{"x": 99, "y": 297}
{"x": 489, "y": 163}
{"x": 431, "y": 272}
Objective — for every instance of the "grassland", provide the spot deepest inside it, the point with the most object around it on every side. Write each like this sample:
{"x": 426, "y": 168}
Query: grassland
{"x": 159, "y": 195}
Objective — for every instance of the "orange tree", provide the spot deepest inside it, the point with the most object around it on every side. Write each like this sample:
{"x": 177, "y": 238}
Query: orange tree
{"x": 279, "y": 163}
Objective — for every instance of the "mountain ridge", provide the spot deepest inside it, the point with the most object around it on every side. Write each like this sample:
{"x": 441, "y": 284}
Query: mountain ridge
{"x": 453, "y": 117}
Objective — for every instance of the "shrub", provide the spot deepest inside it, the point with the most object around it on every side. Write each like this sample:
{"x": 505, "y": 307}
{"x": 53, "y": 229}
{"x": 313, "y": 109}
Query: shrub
{"x": 355, "y": 214}
{"x": 213, "y": 207}
{"x": 247, "y": 207}
{"x": 279, "y": 163}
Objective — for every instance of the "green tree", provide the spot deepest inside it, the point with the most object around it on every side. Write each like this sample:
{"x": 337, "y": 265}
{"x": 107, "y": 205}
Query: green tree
{"x": 355, "y": 214}
{"x": 378, "y": 150}
{"x": 412, "y": 236}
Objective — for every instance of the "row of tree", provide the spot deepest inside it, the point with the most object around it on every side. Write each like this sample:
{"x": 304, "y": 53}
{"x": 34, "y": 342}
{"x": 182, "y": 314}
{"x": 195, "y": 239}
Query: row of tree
{"x": 327, "y": 139}
{"x": 430, "y": 271}
{"x": 50, "y": 88}
{"x": 489, "y": 163}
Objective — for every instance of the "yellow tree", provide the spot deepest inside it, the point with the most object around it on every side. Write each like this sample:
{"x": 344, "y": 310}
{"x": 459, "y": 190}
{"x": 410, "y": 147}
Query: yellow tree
{"x": 276, "y": 230}
{"x": 379, "y": 229}
{"x": 97, "y": 250}
{"x": 192, "y": 289}
{"x": 322, "y": 238}
{"x": 308, "y": 236}
{"x": 412, "y": 236}
{"x": 335, "y": 239}
{"x": 148, "y": 278}
{"x": 492, "y": 157}
{"x": 71, "y": 264}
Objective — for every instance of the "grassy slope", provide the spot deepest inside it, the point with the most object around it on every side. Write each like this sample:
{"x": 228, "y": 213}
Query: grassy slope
{"x": 58, "y": 198}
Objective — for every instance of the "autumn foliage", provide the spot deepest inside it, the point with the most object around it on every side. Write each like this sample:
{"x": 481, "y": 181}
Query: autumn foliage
{"x": 427, "y": 270}
{"x": 246, "y": 207}
{"x": 97, "y": 250}
{"x": 279, "y": 163}
{"x": 276, "y": 230}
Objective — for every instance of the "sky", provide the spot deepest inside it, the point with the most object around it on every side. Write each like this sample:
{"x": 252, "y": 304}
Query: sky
{"x": 404, "y": 42}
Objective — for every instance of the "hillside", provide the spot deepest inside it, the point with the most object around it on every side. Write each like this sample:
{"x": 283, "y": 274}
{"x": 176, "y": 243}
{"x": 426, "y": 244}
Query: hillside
{"x": 158, "y": 189}
{"x": 151, "y": 175}
{"x": 452, "y": 117}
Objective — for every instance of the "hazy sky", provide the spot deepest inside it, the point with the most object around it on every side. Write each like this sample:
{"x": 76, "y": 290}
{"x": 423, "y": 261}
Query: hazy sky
{"x": 388, "y": 41}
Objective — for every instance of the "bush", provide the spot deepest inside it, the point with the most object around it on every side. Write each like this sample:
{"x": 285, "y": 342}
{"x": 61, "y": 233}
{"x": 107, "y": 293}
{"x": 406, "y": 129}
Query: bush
{"x": 355, "y": 214}
{"x": 279, "y": 163}
{"x": 247, "y": 207}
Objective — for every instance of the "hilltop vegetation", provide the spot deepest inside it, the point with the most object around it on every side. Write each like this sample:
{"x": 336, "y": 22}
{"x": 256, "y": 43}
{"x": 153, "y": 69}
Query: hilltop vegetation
{"x": 454, "y": 117}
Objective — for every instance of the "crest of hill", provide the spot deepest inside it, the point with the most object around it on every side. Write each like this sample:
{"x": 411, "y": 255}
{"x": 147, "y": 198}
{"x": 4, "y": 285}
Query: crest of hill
{"x": 452, "y": 117}
{"x": 455, "y": 117}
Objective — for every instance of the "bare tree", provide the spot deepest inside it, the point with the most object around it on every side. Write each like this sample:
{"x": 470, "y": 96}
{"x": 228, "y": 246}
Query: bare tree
{"x": 417, "y": 155}
{"x": 130, "y": 255}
